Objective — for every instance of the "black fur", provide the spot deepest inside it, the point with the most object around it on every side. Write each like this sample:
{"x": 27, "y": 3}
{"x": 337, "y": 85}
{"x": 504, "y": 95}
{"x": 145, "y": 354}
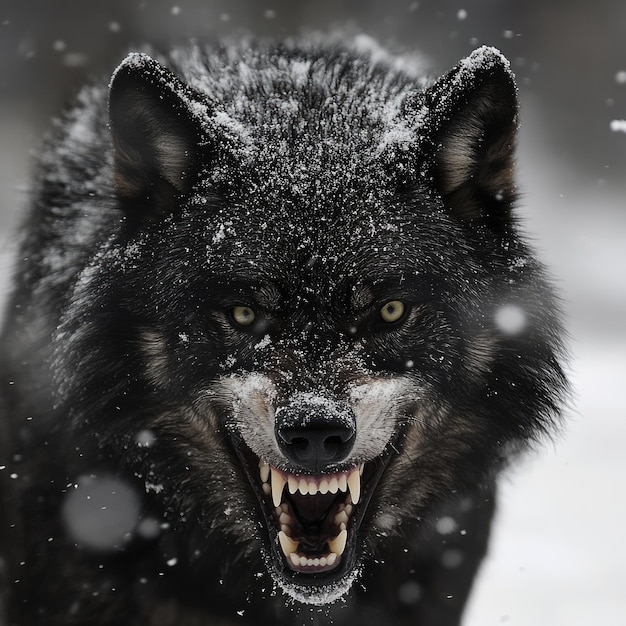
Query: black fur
{"x": 309, "y": 183}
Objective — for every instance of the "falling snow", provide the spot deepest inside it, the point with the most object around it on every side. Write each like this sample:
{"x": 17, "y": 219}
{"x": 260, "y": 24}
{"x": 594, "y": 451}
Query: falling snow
{"x": 101, "y": 512}
{"x": 510, "y": 319}
{"x": 618, "y": 126}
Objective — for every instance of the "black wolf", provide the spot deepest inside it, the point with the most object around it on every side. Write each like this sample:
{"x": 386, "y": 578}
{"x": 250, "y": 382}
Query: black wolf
{"x": 274, "y": 330}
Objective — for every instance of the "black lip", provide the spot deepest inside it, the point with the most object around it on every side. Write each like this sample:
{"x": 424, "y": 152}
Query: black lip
{"x": 373, "y": 471}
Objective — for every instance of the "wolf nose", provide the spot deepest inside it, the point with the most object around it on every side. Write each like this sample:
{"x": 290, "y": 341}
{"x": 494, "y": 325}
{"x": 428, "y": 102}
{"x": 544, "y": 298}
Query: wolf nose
{"x": 314, "y": 439}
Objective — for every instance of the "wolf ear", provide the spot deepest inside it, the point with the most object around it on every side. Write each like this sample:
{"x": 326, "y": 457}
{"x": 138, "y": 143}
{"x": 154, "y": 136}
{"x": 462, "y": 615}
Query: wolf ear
{"x": 155, "y": 135}
{"x": 473, "y": 116}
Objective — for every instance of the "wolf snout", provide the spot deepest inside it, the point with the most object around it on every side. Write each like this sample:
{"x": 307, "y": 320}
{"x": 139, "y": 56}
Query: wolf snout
{"x": 315, "y": 434}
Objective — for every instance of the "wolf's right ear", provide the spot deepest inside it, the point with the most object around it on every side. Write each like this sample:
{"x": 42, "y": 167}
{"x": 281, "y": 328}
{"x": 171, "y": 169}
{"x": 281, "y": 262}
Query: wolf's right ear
{"x": 155, "y": 133}
{"x": 470, "y": 116}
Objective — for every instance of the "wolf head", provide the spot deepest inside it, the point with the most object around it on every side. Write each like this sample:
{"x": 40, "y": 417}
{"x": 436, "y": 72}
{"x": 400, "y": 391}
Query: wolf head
{"x": 302, "y": 301}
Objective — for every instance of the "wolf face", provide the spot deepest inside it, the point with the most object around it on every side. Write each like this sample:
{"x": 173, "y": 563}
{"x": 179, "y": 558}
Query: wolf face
{"x": 291, "y": 278}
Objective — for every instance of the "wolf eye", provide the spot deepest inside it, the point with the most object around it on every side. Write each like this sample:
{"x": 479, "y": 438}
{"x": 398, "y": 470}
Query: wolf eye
{"x": 243, "y": 315}
{"x": 392, "y": 311}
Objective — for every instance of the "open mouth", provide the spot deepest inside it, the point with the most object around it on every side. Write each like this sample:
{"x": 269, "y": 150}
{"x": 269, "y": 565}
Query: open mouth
{"x": 313, "y": 514}
{"x": 313, "y": 519}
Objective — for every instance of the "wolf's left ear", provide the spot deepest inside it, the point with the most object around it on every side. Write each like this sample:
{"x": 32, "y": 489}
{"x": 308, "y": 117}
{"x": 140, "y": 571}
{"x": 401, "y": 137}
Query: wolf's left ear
{"x": 155, "y": 135}
{"x": 472, "y": 113}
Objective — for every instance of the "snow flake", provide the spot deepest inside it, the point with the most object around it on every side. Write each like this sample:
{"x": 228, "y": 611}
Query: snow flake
{"x": 510, "y": 319}
{"x": 409, "y": 592}
{"x": 145, "y": 438}
{"x": 156, "y": 488}
{"x": 446, "y": 525}
{"x": 618, "y": 126}
{"x": 148, "y": 528}
{"x": 101, "y": 512}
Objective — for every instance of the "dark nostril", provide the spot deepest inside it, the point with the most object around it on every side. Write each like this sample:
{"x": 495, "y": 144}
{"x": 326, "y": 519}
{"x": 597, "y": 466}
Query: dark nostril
{"x": 315, "y": 442}
{"x": 333, "y": 443}
{"x": 302, "y": 440}
{"x": 299, "y": 444}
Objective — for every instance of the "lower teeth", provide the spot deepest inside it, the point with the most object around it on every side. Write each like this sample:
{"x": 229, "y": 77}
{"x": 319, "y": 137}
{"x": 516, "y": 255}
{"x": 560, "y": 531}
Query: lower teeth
{"x": 303, "y": 561}
{"x": 290, "y": 550}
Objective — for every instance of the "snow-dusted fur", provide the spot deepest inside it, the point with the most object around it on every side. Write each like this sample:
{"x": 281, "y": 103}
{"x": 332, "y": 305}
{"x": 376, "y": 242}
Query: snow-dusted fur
{"x": 274, "y": 331}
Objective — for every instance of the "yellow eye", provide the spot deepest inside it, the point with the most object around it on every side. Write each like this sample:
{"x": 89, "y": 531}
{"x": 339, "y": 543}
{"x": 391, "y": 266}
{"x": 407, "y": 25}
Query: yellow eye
{"x": 392, "y": 311}
{"x": 243, "y": 315}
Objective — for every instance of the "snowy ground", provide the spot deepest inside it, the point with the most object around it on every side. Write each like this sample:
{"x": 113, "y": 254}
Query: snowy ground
{"x": 558, "y": 556}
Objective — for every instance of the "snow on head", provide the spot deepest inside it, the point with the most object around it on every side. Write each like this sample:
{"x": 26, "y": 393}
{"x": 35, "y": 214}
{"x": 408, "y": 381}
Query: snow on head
{"x": 485, "y": 57}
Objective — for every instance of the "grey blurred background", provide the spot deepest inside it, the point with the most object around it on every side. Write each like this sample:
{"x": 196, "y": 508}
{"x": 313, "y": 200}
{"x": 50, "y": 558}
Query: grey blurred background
{"x": 559, "y": 555}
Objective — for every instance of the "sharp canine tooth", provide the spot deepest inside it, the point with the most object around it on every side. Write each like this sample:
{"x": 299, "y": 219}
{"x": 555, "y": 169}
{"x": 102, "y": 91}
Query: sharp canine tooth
{"x": 354, "y": 484}
{"x": 278, "y": 484}
{"x": 331, "y": 558}
{"x": 295, "y": 559}
{"x": 264, "y": 471}
{"x": 338, "y": 544}
{"x": 288, "y": 545}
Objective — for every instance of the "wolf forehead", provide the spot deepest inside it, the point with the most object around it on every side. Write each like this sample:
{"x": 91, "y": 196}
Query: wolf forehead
{"x": 279, "y": 107}
{"x": 309, "y": 128}
{"x": 308, "y": 104}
